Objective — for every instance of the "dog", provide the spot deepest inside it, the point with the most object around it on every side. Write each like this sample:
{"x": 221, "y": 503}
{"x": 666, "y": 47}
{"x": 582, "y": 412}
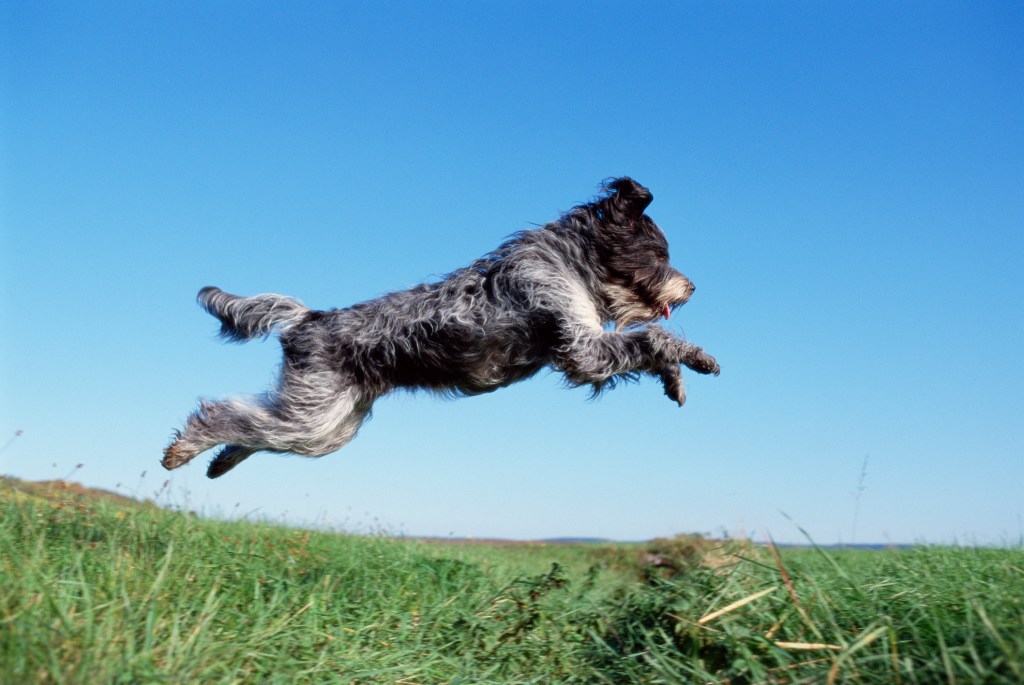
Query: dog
{"x": 579, "y": 294}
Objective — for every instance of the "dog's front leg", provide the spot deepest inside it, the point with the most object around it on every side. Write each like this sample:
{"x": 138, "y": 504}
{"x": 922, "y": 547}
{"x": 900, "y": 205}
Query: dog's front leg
{"x": 698, "y": 360}
{"x": 597, "y": 357}
{"x": 672, "y": 381}
{"x": 681, "y": 352}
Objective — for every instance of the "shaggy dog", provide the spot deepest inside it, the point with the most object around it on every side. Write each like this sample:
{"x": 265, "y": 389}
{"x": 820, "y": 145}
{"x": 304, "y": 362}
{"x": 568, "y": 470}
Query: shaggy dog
{"x": 547, "y": 297}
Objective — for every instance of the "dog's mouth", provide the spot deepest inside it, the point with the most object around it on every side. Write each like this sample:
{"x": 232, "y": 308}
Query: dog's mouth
{"x": 676, "y": 294}
{"x": 664, "y": 310}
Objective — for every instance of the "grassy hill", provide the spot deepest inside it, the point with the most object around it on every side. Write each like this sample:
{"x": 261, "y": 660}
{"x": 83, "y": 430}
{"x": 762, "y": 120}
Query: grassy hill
{"x": 97, "y": 588}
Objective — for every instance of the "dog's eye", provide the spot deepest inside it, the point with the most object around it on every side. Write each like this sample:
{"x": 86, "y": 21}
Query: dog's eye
{"x": 662, "y": 257}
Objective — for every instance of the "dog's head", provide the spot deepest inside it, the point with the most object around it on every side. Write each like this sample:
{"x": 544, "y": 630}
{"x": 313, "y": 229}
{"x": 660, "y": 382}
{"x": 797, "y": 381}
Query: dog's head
{"x": 640, "y": 284}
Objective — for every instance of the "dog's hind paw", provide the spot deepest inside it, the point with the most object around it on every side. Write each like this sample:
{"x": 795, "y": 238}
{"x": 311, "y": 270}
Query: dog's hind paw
{"x": 173, "y": 458}
{"x": 227, "y": 459}
{"x": 180, "y": 452}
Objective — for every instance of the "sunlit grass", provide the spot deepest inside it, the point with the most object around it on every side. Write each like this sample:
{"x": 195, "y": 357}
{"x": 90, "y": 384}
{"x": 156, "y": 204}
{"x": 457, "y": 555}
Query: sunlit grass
{"x": 97, "y": 591}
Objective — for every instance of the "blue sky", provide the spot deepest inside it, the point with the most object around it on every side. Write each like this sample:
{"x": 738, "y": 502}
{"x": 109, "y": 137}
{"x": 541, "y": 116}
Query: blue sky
{"x": 844, "y": 182}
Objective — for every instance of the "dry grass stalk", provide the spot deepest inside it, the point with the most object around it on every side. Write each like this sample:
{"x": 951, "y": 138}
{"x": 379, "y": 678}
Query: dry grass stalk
{"x": 734, "y": 606}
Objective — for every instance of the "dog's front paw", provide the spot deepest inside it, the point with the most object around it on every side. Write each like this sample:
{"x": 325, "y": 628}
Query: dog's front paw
{"x": 702, "y": 362}
{"x": 672, "y": 381}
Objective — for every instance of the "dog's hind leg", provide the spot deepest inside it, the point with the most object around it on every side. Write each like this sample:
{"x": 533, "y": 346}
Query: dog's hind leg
{"x": 284, "y": 422}
{"x": 321, "y": 427}
{"x": 231, "y": 422}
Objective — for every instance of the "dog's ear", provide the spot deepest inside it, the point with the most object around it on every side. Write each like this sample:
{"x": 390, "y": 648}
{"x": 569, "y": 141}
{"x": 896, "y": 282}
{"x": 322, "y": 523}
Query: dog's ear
{"x": 627, "y": 198}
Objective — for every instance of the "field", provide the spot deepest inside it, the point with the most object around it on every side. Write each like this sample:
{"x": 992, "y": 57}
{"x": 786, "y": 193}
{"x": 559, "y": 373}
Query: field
{"x": 98, "y": 589}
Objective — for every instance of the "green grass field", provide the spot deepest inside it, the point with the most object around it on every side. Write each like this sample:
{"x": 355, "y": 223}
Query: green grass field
{"x": 101, "y": 590}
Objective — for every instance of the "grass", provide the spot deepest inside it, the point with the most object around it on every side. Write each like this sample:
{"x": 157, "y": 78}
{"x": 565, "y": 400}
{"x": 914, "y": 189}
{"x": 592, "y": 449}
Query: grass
{"x": 101, "y": 590}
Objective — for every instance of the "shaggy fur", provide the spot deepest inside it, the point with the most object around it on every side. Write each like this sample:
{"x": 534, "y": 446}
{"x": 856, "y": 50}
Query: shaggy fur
{"x": 544, "y": 298}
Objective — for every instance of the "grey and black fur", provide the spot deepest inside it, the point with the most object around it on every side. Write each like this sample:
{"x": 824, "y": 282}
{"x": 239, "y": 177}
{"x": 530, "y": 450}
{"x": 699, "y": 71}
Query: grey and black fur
{"x": 544, "y": 298}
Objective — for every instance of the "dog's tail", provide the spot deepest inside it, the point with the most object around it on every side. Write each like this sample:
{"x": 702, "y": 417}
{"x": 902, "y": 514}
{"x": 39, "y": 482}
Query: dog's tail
{"x": 245, "y": 318}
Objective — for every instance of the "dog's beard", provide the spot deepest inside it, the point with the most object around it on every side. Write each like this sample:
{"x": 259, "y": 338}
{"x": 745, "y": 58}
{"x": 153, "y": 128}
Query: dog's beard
{"x": 631, "y": 306}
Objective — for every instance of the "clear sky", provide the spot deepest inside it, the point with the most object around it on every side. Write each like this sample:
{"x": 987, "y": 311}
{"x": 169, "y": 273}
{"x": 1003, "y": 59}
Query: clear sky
{"x": 843, "y": 181}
